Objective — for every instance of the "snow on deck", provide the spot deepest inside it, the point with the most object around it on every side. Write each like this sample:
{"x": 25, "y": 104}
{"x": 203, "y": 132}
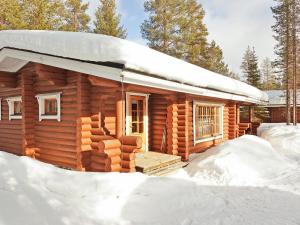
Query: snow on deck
{"x": 101, "y": 48}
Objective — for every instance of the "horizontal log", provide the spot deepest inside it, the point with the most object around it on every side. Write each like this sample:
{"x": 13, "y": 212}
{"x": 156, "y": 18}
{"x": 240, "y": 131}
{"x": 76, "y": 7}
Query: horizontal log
{"x": 128, "y": 148}
{"x": 127, "y": 156}
{"x": 109, "y": 144}
{"x": 110, "y": 153}
{"x": 127, "y": 164}
{"x": 135, "y": 141}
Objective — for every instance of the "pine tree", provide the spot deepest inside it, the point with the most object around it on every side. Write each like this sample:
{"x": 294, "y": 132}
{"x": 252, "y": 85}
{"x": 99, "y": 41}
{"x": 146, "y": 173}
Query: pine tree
{"x": 249, "y": 67}
{"x": 107, "y": 21}
{"x": 216, "y": 59}
{"x": 161, "y": 29}
{"x": 176, "y": 27}
{"x": 193, "y": 41}
{"x": 268, "y": 75}
{"x": 31, "y": 14}
{"x": 287, "y": 16}
{"x": 76, "y": 17}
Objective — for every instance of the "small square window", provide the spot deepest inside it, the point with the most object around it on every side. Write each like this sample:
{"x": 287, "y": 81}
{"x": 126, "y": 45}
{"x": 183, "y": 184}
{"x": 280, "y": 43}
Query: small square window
{"x": 49, "y": 106}
{"x": 14, "y": 107}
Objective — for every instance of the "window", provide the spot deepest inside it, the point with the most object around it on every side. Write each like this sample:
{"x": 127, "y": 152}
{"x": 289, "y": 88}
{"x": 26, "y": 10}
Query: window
{"x": 14, "y": 107}
{"x": 49, "y": 106}
{"x": 208, "y": 121}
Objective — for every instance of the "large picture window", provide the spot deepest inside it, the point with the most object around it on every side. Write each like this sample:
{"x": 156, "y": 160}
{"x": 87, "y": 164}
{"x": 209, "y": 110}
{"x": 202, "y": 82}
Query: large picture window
{"x": 208, "y": 121}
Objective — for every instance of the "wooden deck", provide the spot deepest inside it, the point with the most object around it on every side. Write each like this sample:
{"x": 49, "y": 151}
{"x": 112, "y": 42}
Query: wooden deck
{"x": 154, "y": 163}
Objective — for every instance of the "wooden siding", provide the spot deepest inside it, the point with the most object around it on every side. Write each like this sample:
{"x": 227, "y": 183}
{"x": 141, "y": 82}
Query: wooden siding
{"x": 56, "y": 140}
{"x": 158, "y": 110}
{"x": 103, "y": 100}
{"x": 278, "y": 114}
{"x": 10, "y": 130}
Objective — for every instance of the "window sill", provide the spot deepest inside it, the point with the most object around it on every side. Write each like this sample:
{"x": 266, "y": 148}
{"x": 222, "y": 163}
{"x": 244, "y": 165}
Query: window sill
{"x": 49, "y": 117}
{"x": 208, "y": 139}
{"x": 15, "y": 117}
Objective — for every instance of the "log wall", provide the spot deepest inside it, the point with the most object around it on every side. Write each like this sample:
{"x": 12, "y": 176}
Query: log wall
{"x": 56, "y": 140}
{"x": 158, "y": 111}
{"x": 278, "y": 114}
{"x": 10, "y": 130}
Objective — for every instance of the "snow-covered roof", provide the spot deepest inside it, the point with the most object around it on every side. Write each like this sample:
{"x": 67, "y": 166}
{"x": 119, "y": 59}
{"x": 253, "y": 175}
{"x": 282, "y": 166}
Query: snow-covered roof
{"x": 277, "y": 98}
{"x": 96, "y": 48}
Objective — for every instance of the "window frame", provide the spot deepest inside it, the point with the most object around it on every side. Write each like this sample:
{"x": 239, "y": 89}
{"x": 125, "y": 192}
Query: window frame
{"x": 208, "y": 104}
{"x": 41, "y": 98}
{"x": 11, "y": 101}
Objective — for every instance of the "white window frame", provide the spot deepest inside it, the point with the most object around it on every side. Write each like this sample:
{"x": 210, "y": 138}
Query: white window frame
{"x": 10, "y": 102}
{"x": 203, "y": 103}
{"x": 41, "y": 101}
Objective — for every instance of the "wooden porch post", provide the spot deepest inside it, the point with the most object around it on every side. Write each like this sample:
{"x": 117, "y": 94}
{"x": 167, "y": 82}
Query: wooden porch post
{"x": 121, "y": 118}
{"x": 251, "y": 112}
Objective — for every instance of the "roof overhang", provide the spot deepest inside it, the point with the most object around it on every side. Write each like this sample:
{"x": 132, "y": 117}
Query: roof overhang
{"x": 12, "y": 60}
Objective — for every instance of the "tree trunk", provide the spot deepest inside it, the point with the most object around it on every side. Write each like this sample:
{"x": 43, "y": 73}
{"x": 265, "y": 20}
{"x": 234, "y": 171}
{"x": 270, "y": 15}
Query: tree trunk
{"x": 288, "y": 108}
{"x": 294, "y": 65}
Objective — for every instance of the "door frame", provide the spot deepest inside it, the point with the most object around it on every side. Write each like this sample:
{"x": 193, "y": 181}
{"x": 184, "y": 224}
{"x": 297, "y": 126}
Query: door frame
{"x": 146, "y": 116}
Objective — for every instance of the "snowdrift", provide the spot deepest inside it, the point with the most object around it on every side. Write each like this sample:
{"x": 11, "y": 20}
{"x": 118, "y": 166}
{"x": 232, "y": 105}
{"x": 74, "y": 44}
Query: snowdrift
{"x": 246, "y": 160}
{"x": 36, "y": 193}
{"x": 285, "y": 139}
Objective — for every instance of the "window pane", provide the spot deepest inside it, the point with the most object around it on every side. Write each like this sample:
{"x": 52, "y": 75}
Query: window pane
{"x": 207, "y": 121}
{"x": 50, "y": 106}
{"x": 17, "y": 108}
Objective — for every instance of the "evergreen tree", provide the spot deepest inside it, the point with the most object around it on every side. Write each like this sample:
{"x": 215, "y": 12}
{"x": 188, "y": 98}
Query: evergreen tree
{"x": 216, "y": 60}
{"x": 250, "y": 69}
{"x": 176, "y": 27}
{"x": 268, "y": 75}
{"x": 193, "y": 34}
{"x": 287, "y": 23}
{"x": 161, "y": 29}
{"x": 31, "y": 14}
{"x": 107, "y": 21}
{"x": 76, "y": 17}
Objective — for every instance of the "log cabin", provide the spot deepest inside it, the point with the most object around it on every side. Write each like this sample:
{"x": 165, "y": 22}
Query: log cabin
{"x": 277, "y": 106}
{"x": 91, "y": 102}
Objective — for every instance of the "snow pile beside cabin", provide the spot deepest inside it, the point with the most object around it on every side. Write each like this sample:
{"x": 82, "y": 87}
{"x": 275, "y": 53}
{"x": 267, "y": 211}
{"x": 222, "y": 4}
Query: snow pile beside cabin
{"x": 248, "y": 160}
{"x": 100, "y": 48}
{"x": 285, "y": 139}
{"x": 35, "y": 193}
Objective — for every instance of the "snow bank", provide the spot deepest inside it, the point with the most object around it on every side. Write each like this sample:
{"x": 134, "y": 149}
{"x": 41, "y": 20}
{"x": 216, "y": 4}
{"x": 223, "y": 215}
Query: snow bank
{"x": 285, "y": 139}
{"x": 246, "y": 160}
{"x": 35, "y": 193}
{"x": 101, "y": 48}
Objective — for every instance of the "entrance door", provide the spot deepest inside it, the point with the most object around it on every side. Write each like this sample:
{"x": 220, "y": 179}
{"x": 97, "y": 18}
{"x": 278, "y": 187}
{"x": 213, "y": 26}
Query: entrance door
{"x": 137, "y": 117}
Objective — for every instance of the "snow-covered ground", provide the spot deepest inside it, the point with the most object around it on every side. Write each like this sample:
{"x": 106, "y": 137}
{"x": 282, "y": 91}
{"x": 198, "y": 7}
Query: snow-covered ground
{"x": 243, "y": 181}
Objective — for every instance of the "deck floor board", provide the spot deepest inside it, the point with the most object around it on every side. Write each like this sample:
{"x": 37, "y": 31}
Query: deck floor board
{"x": 149, "y": 161}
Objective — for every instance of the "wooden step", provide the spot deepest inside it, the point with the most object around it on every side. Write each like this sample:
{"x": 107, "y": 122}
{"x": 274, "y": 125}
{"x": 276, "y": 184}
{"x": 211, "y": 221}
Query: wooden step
{"x": 154, "y": 162}
{"x": 168, "y": 169}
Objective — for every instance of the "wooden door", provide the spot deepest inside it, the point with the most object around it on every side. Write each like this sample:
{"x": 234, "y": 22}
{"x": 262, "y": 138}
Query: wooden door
{"x": 137, "y": 117}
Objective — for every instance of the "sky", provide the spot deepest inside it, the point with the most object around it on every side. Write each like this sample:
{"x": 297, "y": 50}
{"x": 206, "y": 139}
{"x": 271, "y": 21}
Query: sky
{"x": 233, "y": 24}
